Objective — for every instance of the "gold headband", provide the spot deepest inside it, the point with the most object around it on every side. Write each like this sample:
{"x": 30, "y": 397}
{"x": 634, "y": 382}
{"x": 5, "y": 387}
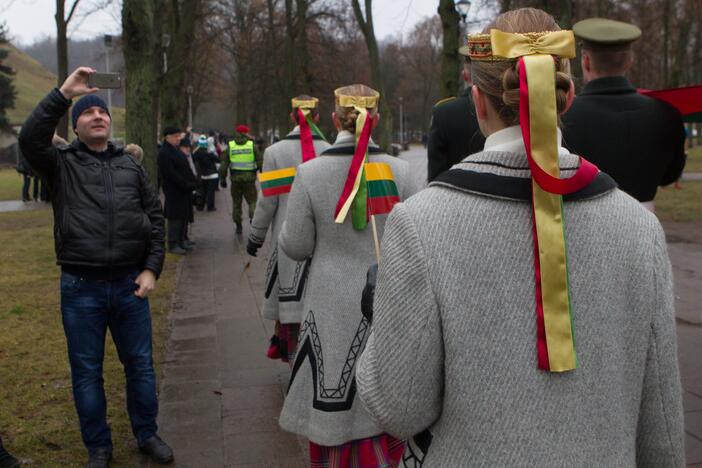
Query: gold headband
{"x": 499, "y": 46}
{"x": 363, "y": 102}
{"x": 304, "y": 103}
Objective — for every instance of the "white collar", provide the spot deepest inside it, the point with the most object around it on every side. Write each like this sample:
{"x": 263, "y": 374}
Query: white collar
{"x": 510, "y": 140}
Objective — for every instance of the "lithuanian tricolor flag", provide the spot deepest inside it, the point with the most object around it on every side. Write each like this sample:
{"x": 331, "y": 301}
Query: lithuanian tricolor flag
{"x": 382, "y": 191}
{"x": 276, "y": 182}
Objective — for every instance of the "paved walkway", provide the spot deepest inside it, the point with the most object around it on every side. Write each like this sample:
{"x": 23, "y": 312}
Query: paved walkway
{"x": 220, "y": 396}
{"x": 19, "y": 205}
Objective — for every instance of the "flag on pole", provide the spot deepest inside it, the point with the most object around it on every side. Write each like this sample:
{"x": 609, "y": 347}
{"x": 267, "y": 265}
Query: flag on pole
{"x": 382, "y": 190}
{"x": 276, "y": 182}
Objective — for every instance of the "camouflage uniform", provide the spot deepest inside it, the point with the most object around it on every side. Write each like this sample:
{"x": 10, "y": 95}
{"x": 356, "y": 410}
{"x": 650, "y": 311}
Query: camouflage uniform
{"x": 243, "y": 183}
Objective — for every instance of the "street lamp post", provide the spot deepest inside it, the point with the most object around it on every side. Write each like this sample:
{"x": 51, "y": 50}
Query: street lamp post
{"x": 190, "y": 106}
{"x": 463, "y": 7}
{"x": 402, "y": 123}
{"x": 165, "y": 42}
{"x": 108, "y": 47}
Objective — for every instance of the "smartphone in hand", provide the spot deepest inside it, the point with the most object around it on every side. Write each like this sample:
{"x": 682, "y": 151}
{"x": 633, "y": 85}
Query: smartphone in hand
{"x": 105, "y": 80}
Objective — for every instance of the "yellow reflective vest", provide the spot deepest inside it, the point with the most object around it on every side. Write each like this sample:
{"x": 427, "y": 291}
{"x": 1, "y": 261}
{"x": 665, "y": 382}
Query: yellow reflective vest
{"x": 241, "y": 157}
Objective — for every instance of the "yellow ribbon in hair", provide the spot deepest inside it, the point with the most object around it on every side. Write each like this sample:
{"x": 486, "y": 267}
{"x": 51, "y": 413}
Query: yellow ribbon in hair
{"x": 360, "y": 122}
{"x": 513, "y": 45}
{"x": 537, "y": 50}
{"x": 365, "y": 102}
{"x": 305, "y": 104}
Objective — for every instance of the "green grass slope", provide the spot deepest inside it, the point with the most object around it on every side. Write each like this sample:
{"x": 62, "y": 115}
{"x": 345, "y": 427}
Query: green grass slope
{"x": 32, "y": 81}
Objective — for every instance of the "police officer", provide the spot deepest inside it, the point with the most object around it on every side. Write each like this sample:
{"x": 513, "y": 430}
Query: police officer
{"x": 454, "y": 132}
{"x": 242, "y": 159}
{"x": 635, "y": 139}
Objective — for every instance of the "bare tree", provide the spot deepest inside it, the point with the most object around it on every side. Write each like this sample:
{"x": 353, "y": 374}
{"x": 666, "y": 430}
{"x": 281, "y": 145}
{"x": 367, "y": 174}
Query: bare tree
{"x": 365, "y": 23}
{"x": 62, "y": 51}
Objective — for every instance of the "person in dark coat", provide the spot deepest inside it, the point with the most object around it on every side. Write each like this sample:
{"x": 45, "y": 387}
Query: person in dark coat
{"x": 108, "y": 236}
{"x": 206, "y": 162}
{"x": 7, "y": 460}
{"x": 454, "y": 132}
{"x": 178, "y": 182}
{"x": 637, "y": 140}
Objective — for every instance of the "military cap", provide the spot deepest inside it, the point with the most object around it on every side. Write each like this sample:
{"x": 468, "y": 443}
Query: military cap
{"x": 603, "y": 31}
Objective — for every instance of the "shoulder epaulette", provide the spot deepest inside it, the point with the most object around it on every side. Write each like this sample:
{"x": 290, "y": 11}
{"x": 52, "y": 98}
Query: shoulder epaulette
{"x": 445, "y": 100}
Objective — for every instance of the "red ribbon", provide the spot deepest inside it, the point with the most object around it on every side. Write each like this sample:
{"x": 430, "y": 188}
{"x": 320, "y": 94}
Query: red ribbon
{"x": 306, "y": 140}
{"x": 586, "y": 170}
{"x": 359, "y": 157}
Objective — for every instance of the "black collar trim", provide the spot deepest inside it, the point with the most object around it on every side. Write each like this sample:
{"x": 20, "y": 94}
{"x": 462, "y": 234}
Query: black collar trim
{"x": 507, "y": 166}
{"x": 349, "y": 150}
{"x": 514, "y": 188}
{"x": 296, "y": 137}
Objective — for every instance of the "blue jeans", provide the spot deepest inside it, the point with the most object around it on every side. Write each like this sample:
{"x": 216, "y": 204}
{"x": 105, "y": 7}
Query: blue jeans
{"x": 88, "y": 308}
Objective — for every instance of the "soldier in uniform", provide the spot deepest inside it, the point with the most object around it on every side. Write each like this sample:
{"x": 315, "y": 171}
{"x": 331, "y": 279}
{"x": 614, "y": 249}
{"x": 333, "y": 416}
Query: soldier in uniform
{"x": 243, "y": 160}
{"x": 454, "y": 132}
{"x": 635, "y": 139}
{"x": 285, "y": 278}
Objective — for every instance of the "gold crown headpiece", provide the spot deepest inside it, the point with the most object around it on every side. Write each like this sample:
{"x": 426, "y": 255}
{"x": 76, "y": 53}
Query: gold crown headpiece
{"x": 363, "y": 102}
{"x": 305, "y": 103}
{"x": 499, "y": 46}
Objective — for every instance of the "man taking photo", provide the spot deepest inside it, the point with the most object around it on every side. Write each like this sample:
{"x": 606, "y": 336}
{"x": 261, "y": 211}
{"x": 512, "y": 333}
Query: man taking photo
{"x": 108, "y": 235}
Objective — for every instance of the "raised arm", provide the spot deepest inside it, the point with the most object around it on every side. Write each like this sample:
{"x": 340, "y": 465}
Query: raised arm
{"x": 400, "y": 373}
{"x": 37, "y": 132}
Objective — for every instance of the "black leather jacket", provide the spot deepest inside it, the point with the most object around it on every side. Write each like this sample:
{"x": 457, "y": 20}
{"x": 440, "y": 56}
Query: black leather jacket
{"x": 106, "y": 214}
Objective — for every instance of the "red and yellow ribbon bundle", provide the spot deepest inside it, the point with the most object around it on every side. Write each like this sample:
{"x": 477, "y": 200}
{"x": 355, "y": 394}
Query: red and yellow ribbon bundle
{"x": 539, "y": 120}
{"x": 307, "y": 126}
{"x": 354, "y": 195}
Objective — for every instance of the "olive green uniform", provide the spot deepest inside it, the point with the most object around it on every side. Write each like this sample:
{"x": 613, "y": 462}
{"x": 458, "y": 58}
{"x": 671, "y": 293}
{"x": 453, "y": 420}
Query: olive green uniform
{"x": 243, "y": 183}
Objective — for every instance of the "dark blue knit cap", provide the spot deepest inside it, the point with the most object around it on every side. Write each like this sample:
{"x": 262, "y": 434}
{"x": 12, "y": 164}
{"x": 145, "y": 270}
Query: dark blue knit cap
{"x": 86, "y": 102}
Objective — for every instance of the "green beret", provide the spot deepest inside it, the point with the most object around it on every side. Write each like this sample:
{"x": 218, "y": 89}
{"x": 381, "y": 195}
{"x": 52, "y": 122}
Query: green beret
{"x": 606, "y": 32}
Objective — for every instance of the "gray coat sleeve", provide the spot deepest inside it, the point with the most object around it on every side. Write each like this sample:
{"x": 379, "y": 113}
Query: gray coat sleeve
{"x": 659, "y": 441}
{"x": 266, "y": 207}
{"x": 298, "y": 235}
{"x": 400, "y": 374}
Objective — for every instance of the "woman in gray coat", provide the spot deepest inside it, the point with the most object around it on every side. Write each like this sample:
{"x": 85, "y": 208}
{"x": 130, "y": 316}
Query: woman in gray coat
{"x": 474, "y": 347}
{"x": 322, "y": 403}
{"x": 285, "y": 278}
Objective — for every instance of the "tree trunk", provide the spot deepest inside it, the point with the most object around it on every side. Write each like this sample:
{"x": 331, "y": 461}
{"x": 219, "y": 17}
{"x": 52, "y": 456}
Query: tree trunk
{"x": 304, "y": 62}
{"x": 450, "y": 60}
{"x": 141, "y": 34}
{"x": 184, "y": 17}
{"x": 366, "y": 25}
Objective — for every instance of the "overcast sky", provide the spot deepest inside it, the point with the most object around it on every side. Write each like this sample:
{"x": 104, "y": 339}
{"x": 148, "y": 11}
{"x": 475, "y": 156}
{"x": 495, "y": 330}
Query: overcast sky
{"x": 29, "y": 20}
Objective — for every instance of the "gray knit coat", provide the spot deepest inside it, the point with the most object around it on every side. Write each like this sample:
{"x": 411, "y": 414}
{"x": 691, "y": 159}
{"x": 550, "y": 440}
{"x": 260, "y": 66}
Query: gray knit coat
{"x": 453, "y": 342}
{"x": 285, "y": 278}
{"x": 322, "y": 403}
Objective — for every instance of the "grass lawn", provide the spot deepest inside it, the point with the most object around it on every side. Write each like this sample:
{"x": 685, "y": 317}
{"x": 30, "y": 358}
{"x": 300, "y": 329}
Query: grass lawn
{"x": 38, "y": 417}
{"x": 680, "y": 205}
{"x": 694, "y": 160}
{"x": 10, "y": 184}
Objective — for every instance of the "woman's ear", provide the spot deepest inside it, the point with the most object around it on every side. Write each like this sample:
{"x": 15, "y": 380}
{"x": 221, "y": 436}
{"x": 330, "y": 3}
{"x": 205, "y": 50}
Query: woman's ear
{"x": 316, "y": 118}
{"x": 335, "y": 119}
{"x": 569, "y": 97}
{"x": 293, "y": 119}
{"x": 479, "y": 103}
{"x": 376, "y": 119}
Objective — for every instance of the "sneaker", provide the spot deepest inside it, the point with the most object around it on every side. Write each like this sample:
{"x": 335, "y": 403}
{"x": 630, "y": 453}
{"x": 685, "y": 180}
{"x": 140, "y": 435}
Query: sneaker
{"x": 187, "y": 247}
{"x": 100, "y": 458}
{"x": 238, "y": 228}
{"x": 157, "y": 450}
{"x": 178, "y": 251}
